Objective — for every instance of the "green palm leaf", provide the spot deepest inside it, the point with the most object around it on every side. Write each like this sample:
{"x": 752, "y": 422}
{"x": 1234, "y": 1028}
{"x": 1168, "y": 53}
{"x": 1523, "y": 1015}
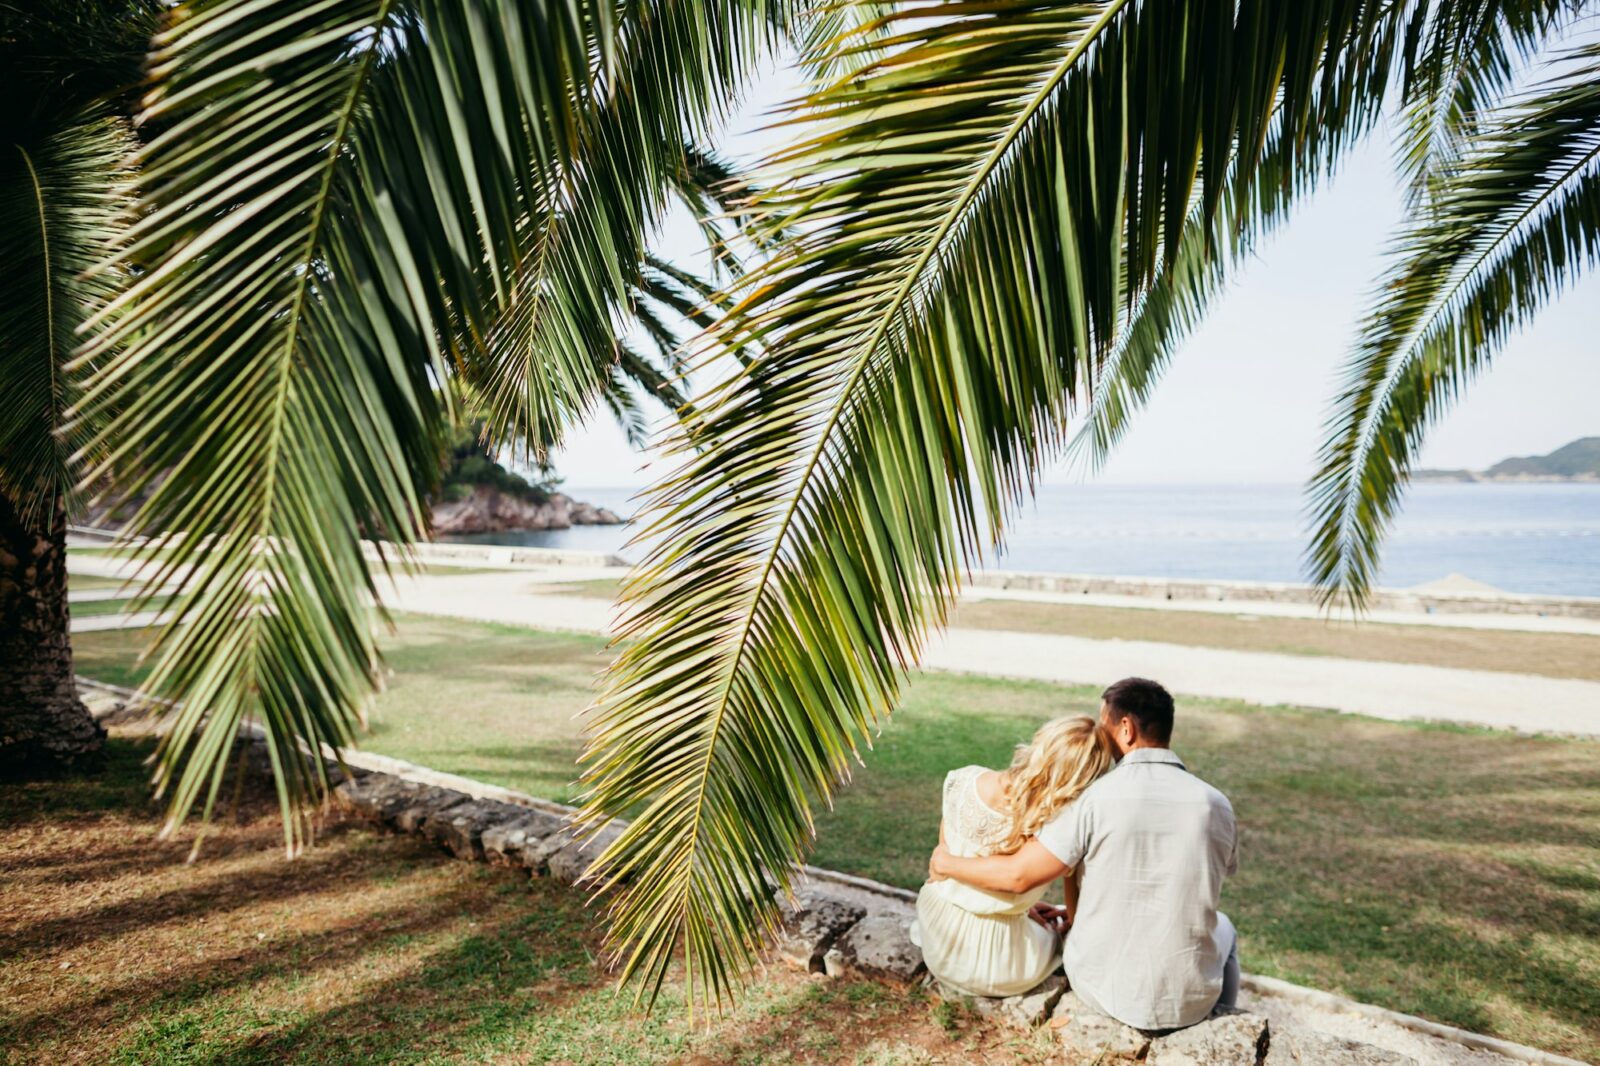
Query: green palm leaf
{"x": 334, "y": 191}
{"x": 1462, "y": 56}
{"x": 64, "y": 205}
{"x": 681, "y": 66}
{"x": 1342, "y": 112}
{"x": 1508, "y": 229}
{"x": 973, "y": 213}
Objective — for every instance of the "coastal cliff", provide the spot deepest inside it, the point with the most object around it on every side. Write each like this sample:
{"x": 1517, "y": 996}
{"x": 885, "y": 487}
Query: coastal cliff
{"x": 486, "y": 509}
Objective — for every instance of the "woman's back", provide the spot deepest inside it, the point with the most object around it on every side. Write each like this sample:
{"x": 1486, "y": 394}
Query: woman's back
{"x": 973, "y": 826}
{"x": 979, "y": 942}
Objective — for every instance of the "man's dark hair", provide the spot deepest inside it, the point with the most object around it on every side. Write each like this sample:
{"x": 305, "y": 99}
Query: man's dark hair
{"x": 1147, "y": 702}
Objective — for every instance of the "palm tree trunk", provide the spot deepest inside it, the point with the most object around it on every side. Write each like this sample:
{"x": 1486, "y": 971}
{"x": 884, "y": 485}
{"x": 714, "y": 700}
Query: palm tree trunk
{"x": 44, "y": 726}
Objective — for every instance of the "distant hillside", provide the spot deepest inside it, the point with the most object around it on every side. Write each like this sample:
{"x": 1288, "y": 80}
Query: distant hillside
{"x": 1578, "y": 461}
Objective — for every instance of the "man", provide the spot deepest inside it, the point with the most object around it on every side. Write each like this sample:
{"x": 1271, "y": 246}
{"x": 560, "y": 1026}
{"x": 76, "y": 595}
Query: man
{"x": 1146, "y": 944}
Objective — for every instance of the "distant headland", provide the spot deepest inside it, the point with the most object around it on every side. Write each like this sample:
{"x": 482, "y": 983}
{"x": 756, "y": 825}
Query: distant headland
{"x": 1578, "y": 461}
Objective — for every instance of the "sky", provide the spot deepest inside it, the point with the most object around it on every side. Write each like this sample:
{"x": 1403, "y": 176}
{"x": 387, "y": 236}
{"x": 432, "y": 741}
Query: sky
{"x": 1245, "y": 398}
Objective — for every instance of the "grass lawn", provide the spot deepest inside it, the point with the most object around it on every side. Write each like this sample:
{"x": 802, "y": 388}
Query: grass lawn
{"x": 1549, "y": 654}
{"x": 371, "y": 948}
{"x": 1445, "y": 872}
{"x": 91, "y": 581}
{"x": 98, "y": 608}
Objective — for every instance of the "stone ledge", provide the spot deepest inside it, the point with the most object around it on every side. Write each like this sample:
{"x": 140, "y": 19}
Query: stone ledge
{"x": 812, "y": 923}
{"x": 571, "y": 865}
{"x": 1306, "y": 1047}
{"x": 1227, "y": 1038}
{"x": 877, "y": 945}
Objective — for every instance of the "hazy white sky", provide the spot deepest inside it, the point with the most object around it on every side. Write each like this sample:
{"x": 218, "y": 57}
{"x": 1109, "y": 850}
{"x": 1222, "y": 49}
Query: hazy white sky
{"x": 1245, "y": 398}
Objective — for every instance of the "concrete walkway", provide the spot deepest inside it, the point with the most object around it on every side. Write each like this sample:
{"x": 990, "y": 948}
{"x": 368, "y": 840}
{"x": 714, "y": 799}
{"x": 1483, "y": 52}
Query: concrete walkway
{"x": 1396, "y": 691}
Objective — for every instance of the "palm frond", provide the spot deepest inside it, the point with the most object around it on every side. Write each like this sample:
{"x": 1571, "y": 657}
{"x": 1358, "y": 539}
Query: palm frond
{"x": 972, "y": 213}
{"x": 1516, "y": 222}
{"x": 681, "y": 65}
{"x": 1342, "y": 111}
{"x": 836, "y": 38}
{"x": 634, "y": 370}
{"x": 64, "y": 206}
{"x": 1461, "y": 56}
{"x": 333, "y": 192}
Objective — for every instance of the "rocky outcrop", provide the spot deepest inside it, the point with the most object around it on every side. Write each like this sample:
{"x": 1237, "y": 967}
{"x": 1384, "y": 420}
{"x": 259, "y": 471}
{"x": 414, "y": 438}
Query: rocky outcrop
{"x": 878, "y": 945}
{"x": 488, "y": 510}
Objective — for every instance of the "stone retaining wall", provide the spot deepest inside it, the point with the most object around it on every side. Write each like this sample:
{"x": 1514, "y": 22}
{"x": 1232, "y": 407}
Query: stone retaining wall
{"x": 1407, "y": 600}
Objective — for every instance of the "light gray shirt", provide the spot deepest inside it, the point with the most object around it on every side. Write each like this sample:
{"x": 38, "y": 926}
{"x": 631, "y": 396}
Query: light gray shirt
{"x": 1155, "y": 843}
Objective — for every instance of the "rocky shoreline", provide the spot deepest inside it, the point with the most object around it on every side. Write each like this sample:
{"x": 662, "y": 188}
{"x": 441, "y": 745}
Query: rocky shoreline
{"x": 488, "y": 510}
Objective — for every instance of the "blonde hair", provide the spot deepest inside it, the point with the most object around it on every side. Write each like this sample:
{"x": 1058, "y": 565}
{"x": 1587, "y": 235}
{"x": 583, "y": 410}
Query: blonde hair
{"x": 1064, "y": 758}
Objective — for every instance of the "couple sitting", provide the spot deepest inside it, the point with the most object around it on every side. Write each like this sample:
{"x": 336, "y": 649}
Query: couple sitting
{"x": 1141, "y": 847}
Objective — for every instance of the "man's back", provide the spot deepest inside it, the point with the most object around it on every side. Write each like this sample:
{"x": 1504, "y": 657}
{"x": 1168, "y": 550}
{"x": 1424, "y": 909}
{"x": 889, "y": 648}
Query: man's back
{"x": 1147, "y": 945}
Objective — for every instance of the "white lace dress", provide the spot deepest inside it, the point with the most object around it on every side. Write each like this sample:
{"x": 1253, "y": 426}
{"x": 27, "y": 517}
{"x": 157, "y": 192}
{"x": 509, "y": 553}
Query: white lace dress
{"x": 979, "y": 942}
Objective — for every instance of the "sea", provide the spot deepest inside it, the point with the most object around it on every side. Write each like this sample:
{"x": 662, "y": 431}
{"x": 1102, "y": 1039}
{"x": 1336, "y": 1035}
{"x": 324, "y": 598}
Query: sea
{"x": 1541, "y": 538}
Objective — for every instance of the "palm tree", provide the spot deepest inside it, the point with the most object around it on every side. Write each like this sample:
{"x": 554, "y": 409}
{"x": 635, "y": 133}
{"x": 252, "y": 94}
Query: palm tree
{"x": 1008, "y": 221}
{"x": 69, "y": 180}
{"x": 64, "y": 194}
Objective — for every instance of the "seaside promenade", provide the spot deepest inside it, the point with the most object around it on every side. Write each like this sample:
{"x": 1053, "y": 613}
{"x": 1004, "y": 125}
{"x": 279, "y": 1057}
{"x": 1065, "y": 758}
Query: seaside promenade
{"x": 551, "y": 598}
{"x": 1394, "y": 691}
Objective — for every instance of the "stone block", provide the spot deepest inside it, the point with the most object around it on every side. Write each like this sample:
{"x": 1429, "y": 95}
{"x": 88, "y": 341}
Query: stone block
{"x": 504, "y": 841}
{"x": 537, "y": 852}
{"x": 337, "y": 774}
{"x": 460, "y": 828}
{"x": 1087, "y": 1036}
{"x": 378, "y": 796}
{"x": 571, "y": 863}
{"x": 1305, "y": 1047}
{"x": 428, "y": 802}
{"x": 812, "y": 923}
{"x": 878, "y": 945}
{"x": 1227, "y": 1038}
{"x": 1028, "y": 1010}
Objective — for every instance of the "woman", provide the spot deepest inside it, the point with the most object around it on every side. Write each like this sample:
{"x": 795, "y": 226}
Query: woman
{"x": 983, "y": 943}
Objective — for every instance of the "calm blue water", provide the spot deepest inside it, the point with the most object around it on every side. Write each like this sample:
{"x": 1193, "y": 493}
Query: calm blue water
{"x": 1519, "y": 537}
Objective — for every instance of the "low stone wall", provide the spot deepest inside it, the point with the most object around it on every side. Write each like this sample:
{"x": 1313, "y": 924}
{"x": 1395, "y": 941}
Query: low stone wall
{"x": 1278, "y": 592}
{"x": 504, "y": 555}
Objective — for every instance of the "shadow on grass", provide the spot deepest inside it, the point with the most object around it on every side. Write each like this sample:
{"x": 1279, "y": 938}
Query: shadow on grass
{"x": 373, "y": 948}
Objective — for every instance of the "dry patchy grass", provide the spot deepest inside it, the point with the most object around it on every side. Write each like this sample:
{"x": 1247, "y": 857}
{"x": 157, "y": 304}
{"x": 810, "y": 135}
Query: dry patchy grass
{"x": 1548, "y": 654}
{"x": 371, "y": 948}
